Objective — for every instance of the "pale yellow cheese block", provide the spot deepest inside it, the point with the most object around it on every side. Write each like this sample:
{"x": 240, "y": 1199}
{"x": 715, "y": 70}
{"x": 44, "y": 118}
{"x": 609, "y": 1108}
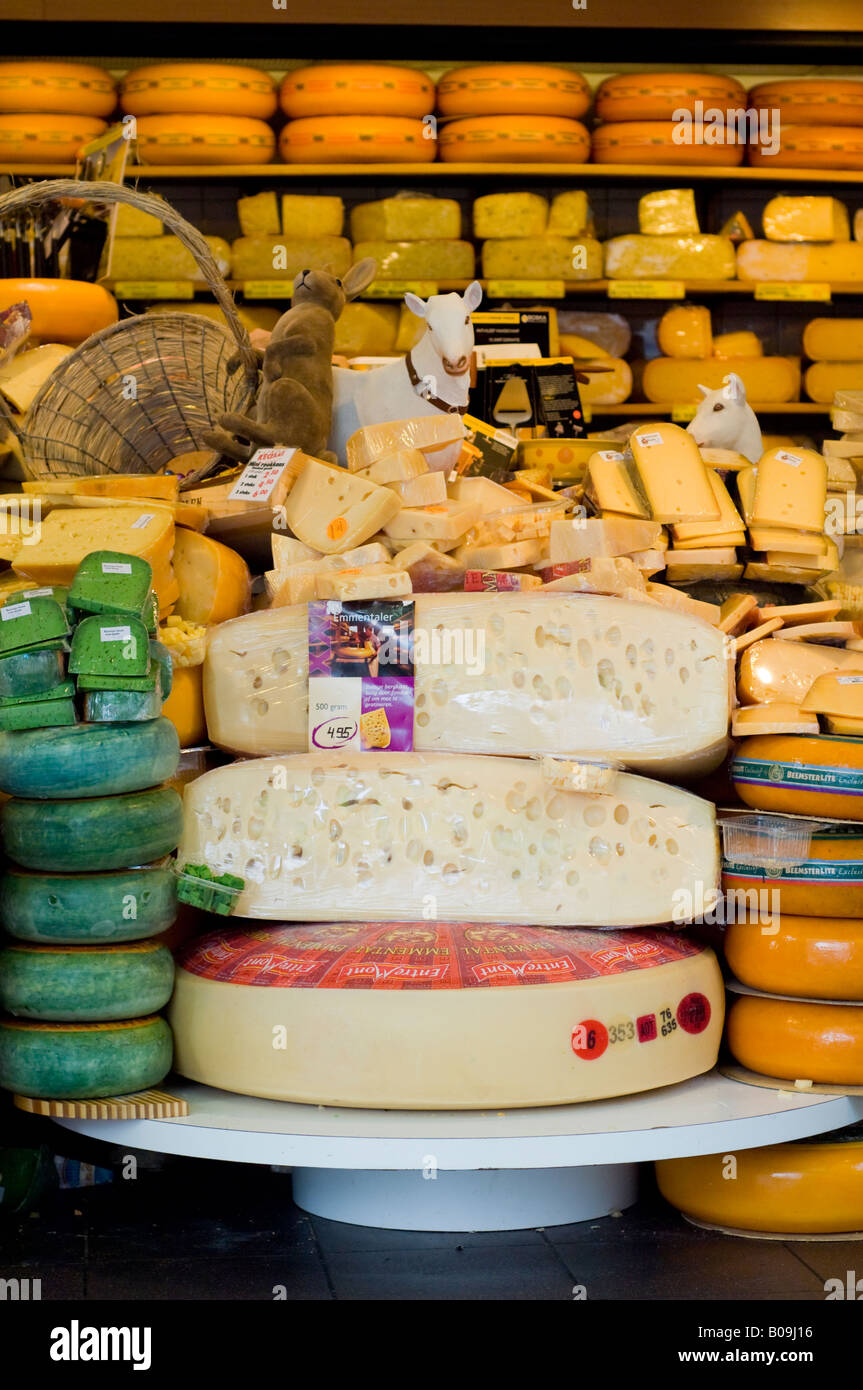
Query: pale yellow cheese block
{"x": 673, "y": 475}
{"x": 366, "y": 330}
{"x": 68, "y": 535}
{"x": 400, "y": 466}
{"x": 787, "y": 539}
{"x": 443, "y": 259}
{"x": 430, "y": 571}
{"x": 424, "y": 433}
{"x": 163, "y": 258}
{"x": 306, "y": 216}
{"x": 792, "y": 613}
{"x": 637, "y": 257}
{"x": 258, "y": 214}
{"x": 281, "y": 257}
{"x": 333, "y": 511}
{"x": 542, "y": 258}
{"x": 23, "y": 376}
{"x": 425, "y": 491}
{"x": 510, "y": 215}
{"x": 446, "y": 521}
{"x": 582, "y": 539}
{"x": 372, "y": 581}
{"x": 807, "y": 217}
{"x": 406, "y": 219}
{"x": 730, "y": 520}
{"x": 790, "y": 489}
{"x": 768, "y": 260}
{"x": 569, "y": 215}
{"x": 668, "y": 212}
{"x": 514, "y": 555}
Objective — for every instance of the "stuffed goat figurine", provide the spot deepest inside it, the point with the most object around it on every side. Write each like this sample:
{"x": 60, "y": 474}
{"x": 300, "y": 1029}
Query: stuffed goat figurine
{"x": 724, "y": 420}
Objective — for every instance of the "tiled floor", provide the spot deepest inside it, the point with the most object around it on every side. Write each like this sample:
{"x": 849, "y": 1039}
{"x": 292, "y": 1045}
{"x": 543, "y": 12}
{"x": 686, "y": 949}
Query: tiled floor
{"x": 198, "y": 1230}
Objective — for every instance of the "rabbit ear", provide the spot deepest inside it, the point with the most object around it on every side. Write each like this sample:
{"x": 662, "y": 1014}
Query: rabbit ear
{"x": 359, "y": 277}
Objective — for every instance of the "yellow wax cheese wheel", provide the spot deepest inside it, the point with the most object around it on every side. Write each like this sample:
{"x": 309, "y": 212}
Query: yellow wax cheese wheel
{"x": 653, "y": 142}
{"x": 809, "y": 1187}
{"x": 806, "y": 774}
{"x": 813, "y": 147}
{"x": 514, "y": 139}
{"x": 190, "y": 139}
{"x": 364, "y": 139}
{"x": 251, "y": 315}
{"x": 742, "y": 343}
{"x": 671, "y": 380}
{"x": 75, "y": 89}
{"x": 656, "y": 96}
{"x": 808, "y": 957}
{"x": 357, "y": 89}
{"x": 834, "y": 340}
{"x": 827, "y": 884}
{"x": 185, "y": 705}
{"x": 29, "y": 137}
{"x": 797, "y": 1041}
{"x": 605, "y": 387}
{"x": 220, "y": 89}
{"x": 823, "y": 379}
{"x": 684, "y": 331}
{"x": 509, "y": 89}
{"x": 811, "y": 101}
{"x": 64, "y": 311}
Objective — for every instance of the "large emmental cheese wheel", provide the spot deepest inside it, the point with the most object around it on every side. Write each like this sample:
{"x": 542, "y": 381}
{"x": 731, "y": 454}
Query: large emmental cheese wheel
{"x": 357, "y": 89}
{"x": 812, "y": 101}
{"x": 82, "y": 909}
{"x": 808, "y": 957}
{"x": 419, "y": 1015}
{"x": 508, "y": 89}
{"x": 31, "y": 138}
{"x": 221, "y": 89}
{"x": 88, "y": 759}
{"x": 357, "y": 139}
{"x": 656, "y": 96}
{"x": 811, "y": 1187}
{"x": 654, "y": 142}
{"x": 188, "y": 139}
{"x": 797, "y": 1041}
{"x": 828, "y": 884}
{"x": 105, "y": 832}
{"x": 63, "y": 311}
{"x": 804, "y": 774}
{"x": 85, "y": 984}
{"x": 528, "y": 139}
{"x": 812, "y": 147}
{"x": 316, "y": 836}
{"x": 73, "y": 1061}
{"x": 71, "y": 88}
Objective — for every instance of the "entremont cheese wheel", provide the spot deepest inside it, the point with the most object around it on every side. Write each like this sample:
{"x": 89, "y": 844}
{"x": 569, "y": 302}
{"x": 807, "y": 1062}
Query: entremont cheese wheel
{"x": 812, "y": 147}
{"x": 653, "y": 142}
{"x": 63, "y": 311}
{"x": 75, "y": 89}
{"x": 31, "y": 138}
{"x": 808, "y": 957}
{"x": 514, "y": 139}
{"x": 797, "y": 1041}
{"x": 656, "y": 96}
{"x": 188, "y": 139}
{"x": 357, "y": 140}
{"x": 809, "y": 1187}
{"x": 509, "y": 89}
{"x": 488, "y": 1015}
{"x": 828, "y": 884}
{"x": 804, "y": 774}
{"x": 219, "y": 88}
{"x": 357, "y": 89}
{"x": 811, "y": 101}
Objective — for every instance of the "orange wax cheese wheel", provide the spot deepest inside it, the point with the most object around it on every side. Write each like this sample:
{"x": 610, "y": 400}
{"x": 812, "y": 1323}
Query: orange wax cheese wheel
{"x": 809, "y": 1187}
{"x": 64, "y": 311}
{"x": 185, "y": 705}
{"x": 214, "y": 581}
{"x": 806, "y": 775}
{"x": 213, "y": 139}
{"x": 797, "y": 1041}
{"x": 777, "y": 670}
{"x": 656, "y": 96}
{"x": 514, "y": 139}
{"x": 220, "y": 89}
{"x": 827, "y": 884}
{"x": 811, "y": 101}
{"x": 823, "y": 379}
{"x": 743, "y": 343}
{"x": 808, "y": 957}
{"x": 675, "y": 380}
{"x": 75, "y": 89}
{"x": 496, "y": 1015}
{"x": 31, "y": 138}
{"x": 357, "y": 139}
{"x": 834, "y": 340}
{"x": 654, "y": 142}
{"x": 357, "y": 89}
{"x": 813, "y": 147}
{"x": 509, "y": 89}
{"x": 684, "y": 331}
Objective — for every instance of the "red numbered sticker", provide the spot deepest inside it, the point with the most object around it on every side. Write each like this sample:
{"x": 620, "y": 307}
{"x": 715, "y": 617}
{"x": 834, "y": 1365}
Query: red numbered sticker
{"x": 693, "y": 1013}
{"x": 646, "y": 1026}
{"x": 589, "y": 1039}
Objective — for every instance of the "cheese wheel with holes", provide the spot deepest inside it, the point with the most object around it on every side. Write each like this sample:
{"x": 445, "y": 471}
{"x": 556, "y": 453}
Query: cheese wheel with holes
{"x": 213, "y": 139}
{"x": 497, "y": 1016}
{"x": 85, "y": 984}
{"x": 357, "y": 89}
{"x": 812, "y": 147}
{"x": 829, "y": 883}
{"x": 656, "y": 96}
{"x": 797, "y": 1041}
{"x": 63, "y": 311}
{"x": 31, "y": 138}
{"x": 71, "y": 88}
{"x": 808, "y": 957}
{"x": 514, "y": 139}
{"x": 674, "y": 380}
{"x": 220, "y": 89}
{"x": 509, "y": 89}
{"x": 809, "y": 1187}
{"x": 806, "y": 775}
{"x": 357, "y": 139}
{"x": 73, "y": 1061}
{"x": 811, "y": 101}
{"x": 653, "y": 142}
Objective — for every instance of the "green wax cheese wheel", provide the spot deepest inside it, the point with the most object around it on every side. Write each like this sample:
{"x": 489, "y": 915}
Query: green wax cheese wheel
{"x": 107, "y": 581}
{"x": 86, "y": 984}
{"x": 65, "y": 690}
{"x": 29, "y": 621}
{"x": 77, "y": 1061}
{"x": 30, "y": 673}
{"x": 87, "y": 908}
{"x": 138, "y": 685}
{"x": 40, "y": 714}
{"x": 106, "y": 832}
{"x": 122, "y": 706}
{"x": 88, "y": 760}
{"x": 111, "y": 644}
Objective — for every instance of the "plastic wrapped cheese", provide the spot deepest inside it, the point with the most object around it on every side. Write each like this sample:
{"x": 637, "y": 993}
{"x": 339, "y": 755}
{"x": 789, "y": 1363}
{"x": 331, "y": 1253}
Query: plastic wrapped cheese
{"x": 406, "y": 218}
{"x": 163, "y": 258}
{"x": 806, "y": 218}
{"x": 637, "y": 257}
{"x": 319, "y": 837}
{"x": 280, "y": 258}
{"x": 542, "y": 258}
{"x": 510, "y": 215}
{"x": 419, "y": 260}
{"x": 501, "y": 673}
{"x": 668, "y": 212}
{"x": 829, "y": 261}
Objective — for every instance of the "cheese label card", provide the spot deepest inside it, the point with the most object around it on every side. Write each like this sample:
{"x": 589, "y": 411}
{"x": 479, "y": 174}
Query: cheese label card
{"x": 260, "y": 475}
{"x": 361, "y": 675}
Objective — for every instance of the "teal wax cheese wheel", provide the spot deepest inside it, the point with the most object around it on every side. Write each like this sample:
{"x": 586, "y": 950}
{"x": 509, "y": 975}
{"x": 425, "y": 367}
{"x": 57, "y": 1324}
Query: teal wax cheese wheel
{"x": 85, "y": 984}
{"x": 105, "y": 832}
{"x": 84, "y": 909}
{"x": 79, "y": 1061}
{"x": 31, "y": 672}
{"x": 88, "y": 760}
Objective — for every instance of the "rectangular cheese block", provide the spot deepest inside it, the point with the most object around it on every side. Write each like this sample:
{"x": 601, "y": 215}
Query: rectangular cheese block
{"x": 163, "y": 258}
{"x": 771, "y": 261}
{"x": 374, "y": 581}
{"x": 425, "y": 491}
{"x": 614, "y": 486}
{"x": 730, "y": 520}
{"x": 569, "y": 215}
{"x": 431, "y": 572}
{"x": 259, "y": 215}
{"x": 717, "y": 539}
{"x": 675, "y": 381}
{"x": 668, "y": 212}
{"x": 510, "y": 215}
{"x": 618, "y": 575}
{"x": 542, "y": 258}
{"x": 68, "y": 535}
{"x": 689, "y": 566}
{"x": 806, "y": 218}
{"x": 786, "y": 538}
{"x": 488, "y": 495}
{"x": 851, "y": 421}
{"x": 393, "y": 828}
{"x": 582, "y": 539}
{"x": 509, "y": 556}
{"x": 24, "y": 374}
{"x": 399, "y": 466}
{"x": 333, "y": 511}
{"x": 306, "y": 216}
{"x": 446, "y": 259}
{"x": 637, "y": 257}
{"x": 133, "y": 222}
{"x": 673, "y": 475}
{"x": 366, "y": 330}
{"x": 158, "y": 486}
{"x": 818, "y": 564}
{"x": 543, "y": 672}
{"x": 446, "y": 521}
{"x": 425, "y": 433}
{"x": 281, "y": 257}
{"x": 790, "y": 489}
{"x": 406, "y": 218}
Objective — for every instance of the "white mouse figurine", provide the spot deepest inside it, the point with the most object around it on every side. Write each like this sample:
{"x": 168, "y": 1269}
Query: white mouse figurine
{"x": 725, "y": 421}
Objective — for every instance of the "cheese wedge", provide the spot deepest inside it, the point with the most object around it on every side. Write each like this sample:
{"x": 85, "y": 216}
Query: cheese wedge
{"x": 726, "y": 460}
{"x": 583, "y": 539}
{"x": 730, "y": 520}
{"x": 613, "y": 485}
{"x": 794, "y": 613}
{"x": 445, "y": 521}
{"x": 790, "y": 489}
{"x": 424, "y": 432}
{"x": 779, "y": 670}
{"x": 843, "y": 725}
{"x": 333, "y": 511}
{"x": 68, "y": 535}
{"x": 499, "y": 557}
{"x": 836, "y": 693}
{"x": 399, "y": 466}
{"x": 22, "y": 378}
{"x": 737, "y": 613}
{"x": 786, "y": 539}
{"x": 214, "y": 582}
{"x": 674, "y": 478}
{"x": 425, "y": 491}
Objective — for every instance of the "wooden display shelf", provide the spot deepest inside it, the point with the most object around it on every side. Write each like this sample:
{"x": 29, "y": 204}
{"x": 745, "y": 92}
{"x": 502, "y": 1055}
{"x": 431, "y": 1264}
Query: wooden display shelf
{"x": 578, "y": 287}
{"x": 648, "y": 408}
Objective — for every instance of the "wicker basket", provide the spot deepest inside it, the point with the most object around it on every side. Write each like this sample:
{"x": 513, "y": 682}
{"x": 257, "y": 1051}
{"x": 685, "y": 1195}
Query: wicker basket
{"x": 138, "y": 394}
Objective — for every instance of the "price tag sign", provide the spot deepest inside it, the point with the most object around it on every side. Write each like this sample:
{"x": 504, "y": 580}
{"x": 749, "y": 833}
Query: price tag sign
{"x": 525, "y": 289}
{"x": 397, "y": 289}
{"x": 801, "y": 291}
{"x": 154, "y": 289}
{"x": 268, "y": 289}
{"x": 361, "y": 675}
{"x": 646, "y": 289}
{"x": 260, "y": 475}
{"x": 682, "y": 414}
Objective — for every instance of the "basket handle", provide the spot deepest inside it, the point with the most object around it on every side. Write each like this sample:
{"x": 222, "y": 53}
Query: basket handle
{"x": 51, "y": 190}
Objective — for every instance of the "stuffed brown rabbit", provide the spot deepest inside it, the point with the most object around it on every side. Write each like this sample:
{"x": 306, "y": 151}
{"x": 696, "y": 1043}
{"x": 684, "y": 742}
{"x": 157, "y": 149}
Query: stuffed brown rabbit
{"x": 295, "y": 399}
